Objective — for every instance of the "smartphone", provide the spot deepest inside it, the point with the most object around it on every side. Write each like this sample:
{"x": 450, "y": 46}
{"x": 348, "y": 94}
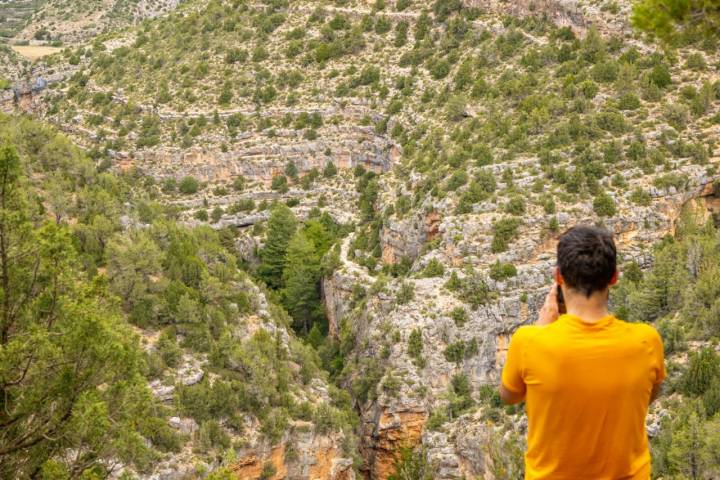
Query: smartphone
{"x": 561, "y": 301}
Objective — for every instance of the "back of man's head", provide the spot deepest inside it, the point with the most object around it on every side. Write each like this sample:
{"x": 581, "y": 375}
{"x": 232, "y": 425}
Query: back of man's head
{"x": 587, "y": 258}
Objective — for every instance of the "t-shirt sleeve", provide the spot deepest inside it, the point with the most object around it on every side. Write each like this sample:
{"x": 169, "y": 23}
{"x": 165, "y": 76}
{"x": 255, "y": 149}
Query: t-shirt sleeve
{"x": 512, "y": 374}
{"x": 658, "y": 356}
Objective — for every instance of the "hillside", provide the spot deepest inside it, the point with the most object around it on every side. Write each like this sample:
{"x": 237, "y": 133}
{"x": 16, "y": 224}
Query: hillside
{"x": 72, "y": 21}
{"x": 165, "y": 356}
{"x": 396, "y": 173}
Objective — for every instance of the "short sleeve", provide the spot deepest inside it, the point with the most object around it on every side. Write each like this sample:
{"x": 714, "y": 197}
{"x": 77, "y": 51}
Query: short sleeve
{"x": 512, "y": 374}
{"x": 658, "y": 356}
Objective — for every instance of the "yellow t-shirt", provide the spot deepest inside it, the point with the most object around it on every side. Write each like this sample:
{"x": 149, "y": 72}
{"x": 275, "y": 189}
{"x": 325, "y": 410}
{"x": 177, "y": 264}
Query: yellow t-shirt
{"x": 588, "y": 387}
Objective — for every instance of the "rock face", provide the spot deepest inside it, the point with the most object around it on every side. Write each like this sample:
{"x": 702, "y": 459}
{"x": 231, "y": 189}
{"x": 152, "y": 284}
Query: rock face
{"x": 261, "y": 158}
{"x": 574, "y": 14}
{"x": 396, "y": 419}
{"x": 405, "y": 237}
{"x": 313, "y": 457}
{"x": 386, "y": 432}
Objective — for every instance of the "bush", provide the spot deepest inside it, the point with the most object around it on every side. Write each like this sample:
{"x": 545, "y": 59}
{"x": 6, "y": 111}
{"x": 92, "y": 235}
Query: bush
{"x": 268, "y": 471}
{"x": 406, "y": 293}
{"x": 704, "y": 367}
{"x": 189, "y": 185}
{"x": 459, "y": 316}
{"x": 474, "y": 290}
{"x": 280, "y": 184}
{"x": 440, "y": 70}
{"x": 455, "y": 352}
{"x": 660, "y": 76}
{"x": 505, "y": 230}
{"x": 589, "y": 89}
{"x": 628, "y": 101}
{"x": 168, "y": 348}
{"x": 217, "y": 214}
{"x": 696, "y": 61}
{"x": 433, "y": 269}
{"x": 330, "y": 170}
{"x": 501, "y": 271}
{"x": 604, "y": 205}
{"x": 640, "y": 197}
{"x": 239, "y": 183}
{"x": 455, "y": 108}
{"x": 515, "y": 206}
{"x": 201, "y": 215}
{"x": 211, "y": 435}
{"x": 415, "y": 347}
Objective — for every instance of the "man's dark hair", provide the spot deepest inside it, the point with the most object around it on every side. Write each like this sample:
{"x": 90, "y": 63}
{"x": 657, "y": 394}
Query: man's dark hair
{"x": 587, "y": 258}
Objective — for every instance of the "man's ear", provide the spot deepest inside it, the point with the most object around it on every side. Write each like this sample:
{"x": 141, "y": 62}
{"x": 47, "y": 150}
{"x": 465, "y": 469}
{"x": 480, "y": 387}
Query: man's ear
{"x": 614, "y": 278}
{"x": 558, "y": 276}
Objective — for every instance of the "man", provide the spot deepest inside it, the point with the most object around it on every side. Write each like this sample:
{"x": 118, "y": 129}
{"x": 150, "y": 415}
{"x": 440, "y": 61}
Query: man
{"x": 587, "y": 378}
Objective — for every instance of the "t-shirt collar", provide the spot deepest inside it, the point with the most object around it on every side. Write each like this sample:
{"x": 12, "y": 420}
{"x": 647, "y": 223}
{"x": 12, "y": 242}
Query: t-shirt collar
{"x": 575, "y": 320}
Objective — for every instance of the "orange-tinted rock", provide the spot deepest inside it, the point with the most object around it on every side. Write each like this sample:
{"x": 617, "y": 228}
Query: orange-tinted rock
{"x": 393, "y": 432}
{"x": 432, "y": 225}
{"x": 251, "y": 466}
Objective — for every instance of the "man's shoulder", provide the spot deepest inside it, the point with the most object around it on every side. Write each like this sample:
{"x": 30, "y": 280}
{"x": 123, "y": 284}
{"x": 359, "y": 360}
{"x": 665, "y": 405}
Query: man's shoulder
{"x": 524, "y": 332}
{"x": 644, "y": 330}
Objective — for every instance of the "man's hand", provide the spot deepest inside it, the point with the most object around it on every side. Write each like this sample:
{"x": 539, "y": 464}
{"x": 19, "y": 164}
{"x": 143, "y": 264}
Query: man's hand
{"x": 549, "y": 311}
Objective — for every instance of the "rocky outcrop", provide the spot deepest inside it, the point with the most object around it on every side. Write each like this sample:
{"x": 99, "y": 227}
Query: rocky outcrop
{"x": 312, "y": 457}
{"x": 405, "y": 238}
{"x": 386, "y": 432}
{"x": 577, "y": 15}
{"x": 261, "y": 158}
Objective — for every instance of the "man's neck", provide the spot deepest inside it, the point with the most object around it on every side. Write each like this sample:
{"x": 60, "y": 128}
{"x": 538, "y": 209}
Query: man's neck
{"x": 589, "y": 310}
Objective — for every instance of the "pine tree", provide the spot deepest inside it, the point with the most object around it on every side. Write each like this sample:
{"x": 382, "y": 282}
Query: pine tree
{"x": 704, "y": 367}
{"x": 687, "y": 451}
{"x": 668, "y": 19}
{"x": 301, "y": 295}
{"x": 70, "y": 367}
{"x": 281, "y": 227}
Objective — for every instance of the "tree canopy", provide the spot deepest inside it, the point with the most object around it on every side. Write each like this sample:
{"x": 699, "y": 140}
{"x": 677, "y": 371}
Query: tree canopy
{"x": 667, "y": 19}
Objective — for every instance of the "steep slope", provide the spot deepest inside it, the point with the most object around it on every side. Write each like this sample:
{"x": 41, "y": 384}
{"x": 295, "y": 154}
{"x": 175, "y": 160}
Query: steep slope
{"x": 466, "y": 139}
{"x": 207, "y": 374}
{"x": 70, "y": 21}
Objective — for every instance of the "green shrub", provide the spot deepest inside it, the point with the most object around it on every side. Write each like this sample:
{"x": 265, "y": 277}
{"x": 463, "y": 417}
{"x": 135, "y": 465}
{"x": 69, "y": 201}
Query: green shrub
{"x": 280, "y": 184}
{"x": 211, "y": 435}
{"x": 502, "y": 271}
{"x": 660, "y": 75}
{"x": 505, "y": 230}
{"x": 459, "y": 316}
{"x": 455, "y": 352}
{"x": 703, "y": 368}
{"x": 168, "y": 348}
{"x": 433, "y": 269}
{"x": 604, "y": 205}
{"x": 268, "y": 471}
{"x": 628, "y": 101}
{"x": 330, "y": 170}
{"x": 515, "y": 206}
{"x": 640, "y": 197}
{"x": 474, "y": 290}
{"x": 188, "y": 185}
{"x": 415, "y": 347}
{"x": 406, "y": 293}
{"x": 696, "y": 61}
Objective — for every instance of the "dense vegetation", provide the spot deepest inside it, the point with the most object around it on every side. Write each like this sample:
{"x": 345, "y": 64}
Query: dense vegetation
{"x": 85, "y": 255}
